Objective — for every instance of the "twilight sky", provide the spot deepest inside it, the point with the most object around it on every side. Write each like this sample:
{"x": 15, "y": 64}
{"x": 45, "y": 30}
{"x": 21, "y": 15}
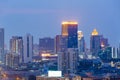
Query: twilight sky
{"x": 42, "y": 18}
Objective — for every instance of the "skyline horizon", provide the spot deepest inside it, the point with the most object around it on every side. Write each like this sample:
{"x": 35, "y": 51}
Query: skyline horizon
{"x": 88, "y": 43}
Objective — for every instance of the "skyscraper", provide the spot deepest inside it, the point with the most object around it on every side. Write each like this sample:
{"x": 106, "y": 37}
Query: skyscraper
{"x": 70, "y": 29}
{"x": 1, "y": 45}
{"x": 95, "y": 42}
{"x": 16, "y": 47}
{"x": 67, "y": 58}
{"x": 28, "y": 48}
{"x": 16, "y": 44}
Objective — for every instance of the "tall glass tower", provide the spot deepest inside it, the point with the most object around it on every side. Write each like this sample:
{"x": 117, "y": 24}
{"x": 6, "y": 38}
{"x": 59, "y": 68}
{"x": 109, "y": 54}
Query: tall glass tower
{"x": 70, "y": 29}
{"x": 95, "y": 42}
{"x": 67, "y": 58}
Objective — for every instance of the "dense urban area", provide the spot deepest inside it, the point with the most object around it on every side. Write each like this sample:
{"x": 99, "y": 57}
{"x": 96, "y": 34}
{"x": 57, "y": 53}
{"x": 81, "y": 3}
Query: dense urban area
{"x": 64, "y": 57}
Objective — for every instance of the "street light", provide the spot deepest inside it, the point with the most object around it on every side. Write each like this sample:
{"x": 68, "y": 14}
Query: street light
{"x": 17, "y": 78}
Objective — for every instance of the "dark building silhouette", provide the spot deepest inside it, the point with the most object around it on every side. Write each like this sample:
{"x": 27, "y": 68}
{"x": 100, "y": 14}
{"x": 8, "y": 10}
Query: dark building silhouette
{"x": 46, "y": 44}
{"x": 97, "y": 42}
{"x": 1, "y": 44}
{"x": 60, "y": 43}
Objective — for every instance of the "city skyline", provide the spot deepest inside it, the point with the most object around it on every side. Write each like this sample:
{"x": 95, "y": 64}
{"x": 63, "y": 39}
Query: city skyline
{"x": 21, "y": 17}
{"x": 59, "y": 39}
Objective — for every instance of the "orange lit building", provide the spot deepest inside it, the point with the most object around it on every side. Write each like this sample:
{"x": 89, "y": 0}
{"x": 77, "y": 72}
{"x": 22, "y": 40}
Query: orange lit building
{"x": 65, "y": 26}
{"x": 69, "y": 29}
{"x": 67, "y": 56}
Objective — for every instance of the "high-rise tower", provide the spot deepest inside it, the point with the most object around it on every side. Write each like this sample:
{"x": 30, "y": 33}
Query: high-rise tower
{"x": 95, "y": 42}
{"x": 28, "y": 48}
{"x": 16, "y": 47}
{"x": 70, "y": 29}
{"x": 67, "y": 57}
{"x": 16, "y": 44}
{"x": 1, "y": 45}
{"x": 46, "y": 44}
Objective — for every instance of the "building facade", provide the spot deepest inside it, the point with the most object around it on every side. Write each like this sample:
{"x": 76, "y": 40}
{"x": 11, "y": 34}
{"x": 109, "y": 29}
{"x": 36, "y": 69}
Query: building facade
{"x": 60, "y": 43}
{"x": 46, "y": 44}
{"x": 28, "y": 48}
{"x": 67, "y": 58}
{"x": 95, "y": 43}
{"x": 16, "y": 47}
{"x": 70, "y": 29}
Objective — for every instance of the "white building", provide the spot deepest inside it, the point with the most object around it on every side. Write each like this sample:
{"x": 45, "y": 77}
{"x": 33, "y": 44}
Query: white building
{"x": 16, "y": 47}
{"x": 28, "y": 48}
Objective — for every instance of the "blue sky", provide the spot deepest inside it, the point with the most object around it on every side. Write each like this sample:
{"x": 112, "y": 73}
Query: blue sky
{"x": 42, "y": 18}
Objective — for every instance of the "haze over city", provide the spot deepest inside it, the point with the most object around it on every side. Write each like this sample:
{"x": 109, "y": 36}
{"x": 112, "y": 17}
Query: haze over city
{"x": 43, "y": 18}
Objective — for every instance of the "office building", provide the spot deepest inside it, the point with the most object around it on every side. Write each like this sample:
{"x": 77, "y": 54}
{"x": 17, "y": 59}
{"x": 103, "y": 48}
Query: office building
{"x": 72, "y": 56}
{"x": 46, "y": 44}
{"x": 28, "y": 48}
{"x": 67, "y": 61}
{"x": 95, "y": 43}
{"x": 57, "y": 43}
{"x": 67, "y": 58}
{"x": 106, "y": 54}
{"x": 36, "y": 50}
{"x": 12, "y": 60}
{"x": 16, "y": 47}
{"x": 1, "y": 45}
{"x": 70, "y": 29}
{"x": 60, "y": 43}
{"x": 104, "y": 42}
{"x": 61, "y": 50}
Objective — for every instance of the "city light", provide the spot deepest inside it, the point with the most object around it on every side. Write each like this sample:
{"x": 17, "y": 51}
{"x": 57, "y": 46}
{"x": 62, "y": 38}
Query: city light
{"x": 80, "y": 35}
{"x": 94, "y": 33}
{"x": 45, "y": 55}
{"x": 69, "y": 22}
